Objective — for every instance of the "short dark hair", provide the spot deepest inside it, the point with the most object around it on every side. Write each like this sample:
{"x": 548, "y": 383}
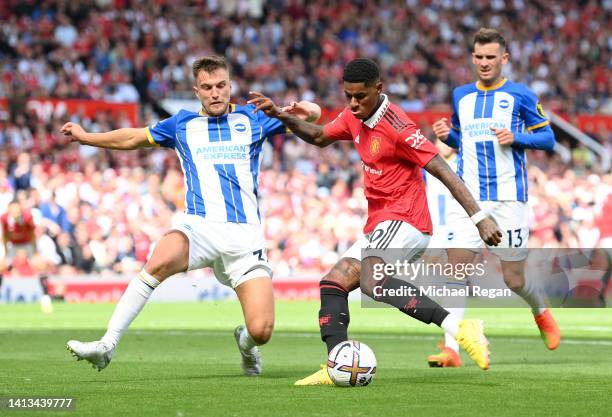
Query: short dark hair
{"x": 489, "y": 35}
{"x": 208, "y": 64}
{"x": 361, "y": 70}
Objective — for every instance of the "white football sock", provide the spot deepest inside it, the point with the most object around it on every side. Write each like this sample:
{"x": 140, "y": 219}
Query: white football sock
{"x": 457, "y": 309}
{"x": 449, "y": 339}
{"x": 246, "y": 341}
{"x": 531, "y": 294}
{"x": 129, "y": 306}
{"x": 451, "y": 324}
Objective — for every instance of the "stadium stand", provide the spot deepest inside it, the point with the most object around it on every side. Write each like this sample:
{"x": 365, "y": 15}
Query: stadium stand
{"x": 100, "y": 211}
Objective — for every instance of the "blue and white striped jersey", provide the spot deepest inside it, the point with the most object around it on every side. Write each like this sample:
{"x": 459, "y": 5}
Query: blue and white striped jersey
{"x": 493, "y": 172}
{"x": 438, "y": 196}
{"x": 220, "y": 158}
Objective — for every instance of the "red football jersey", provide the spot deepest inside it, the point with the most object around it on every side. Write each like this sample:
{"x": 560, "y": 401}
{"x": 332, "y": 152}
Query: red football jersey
{"x": 18, "y": 231}
{"x": 392, "y": 151}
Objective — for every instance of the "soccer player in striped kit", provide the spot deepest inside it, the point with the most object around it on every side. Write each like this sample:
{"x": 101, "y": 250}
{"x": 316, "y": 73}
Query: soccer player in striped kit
{"x": 220, "y": 153}
{"x": 494, "y": 120}
{"x": 393, "y": 152}
{"x": 440, "y": 200}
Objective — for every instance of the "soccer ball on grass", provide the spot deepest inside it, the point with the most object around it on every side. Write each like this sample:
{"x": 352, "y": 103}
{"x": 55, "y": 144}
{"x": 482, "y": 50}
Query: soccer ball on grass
{"x": 351, "y": 364}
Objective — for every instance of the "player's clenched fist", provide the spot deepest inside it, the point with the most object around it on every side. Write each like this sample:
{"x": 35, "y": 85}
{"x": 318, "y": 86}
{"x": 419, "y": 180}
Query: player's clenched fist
{"x": 73, "y": 130}
{"x": 504, "y": 136}
{"x": 489, "y": 231}
{"x": 441, "y": 128}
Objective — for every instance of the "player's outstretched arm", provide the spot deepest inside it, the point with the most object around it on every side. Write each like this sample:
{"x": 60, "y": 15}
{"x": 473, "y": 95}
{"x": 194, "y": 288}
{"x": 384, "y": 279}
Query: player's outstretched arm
{"x": 488, "y": 229}
{"x": 305, "y": 110}
{"x": 124, "y": 139}
{"x": 307, "y": 131}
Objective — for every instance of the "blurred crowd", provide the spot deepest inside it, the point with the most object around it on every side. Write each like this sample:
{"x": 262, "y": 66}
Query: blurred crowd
{"x": 101, "y": 211}
{"x": 136, "y": 50}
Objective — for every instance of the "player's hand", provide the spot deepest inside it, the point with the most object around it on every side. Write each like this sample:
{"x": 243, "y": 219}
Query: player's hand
{"x": 504, "y": 136}
{"x": 74, "y": 131}
{"x": 441, "y": 129}
{"x": 489, "y": 231}
{"x": 263, "y": 103}
{"x": 304, "y": 110}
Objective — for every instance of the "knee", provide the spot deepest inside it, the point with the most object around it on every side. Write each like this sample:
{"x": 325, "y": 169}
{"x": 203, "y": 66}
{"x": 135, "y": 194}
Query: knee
{"x": 515, "y": 282}
{"x": 170, "y": 256}
{"x": 261, "y": 330}
{"x": 157, "y": 268}
{"x": 345, "y": 273}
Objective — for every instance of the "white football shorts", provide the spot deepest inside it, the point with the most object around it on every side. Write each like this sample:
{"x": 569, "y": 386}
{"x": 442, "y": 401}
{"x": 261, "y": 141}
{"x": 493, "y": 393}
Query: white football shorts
{"x": 391, "y": 234}
{"x": 512, "y": 218}
{"x": 442, "y": 233}
{"x": 235, "y": 251}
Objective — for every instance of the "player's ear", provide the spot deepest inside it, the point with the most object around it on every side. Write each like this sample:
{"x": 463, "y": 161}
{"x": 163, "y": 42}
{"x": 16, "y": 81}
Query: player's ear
{"x": 505, "y": 57}
{"x": 195, "y": 90}
{"x": 379, "y": 86}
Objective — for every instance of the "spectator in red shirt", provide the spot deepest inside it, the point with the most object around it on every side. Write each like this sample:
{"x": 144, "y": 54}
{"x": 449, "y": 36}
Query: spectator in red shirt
{"x": 19, "y": 239}
{"x": 18, "y": 231}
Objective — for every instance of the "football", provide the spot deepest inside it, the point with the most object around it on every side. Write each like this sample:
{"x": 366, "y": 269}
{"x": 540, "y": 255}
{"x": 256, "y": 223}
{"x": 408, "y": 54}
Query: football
{"x": 351, "y": 364}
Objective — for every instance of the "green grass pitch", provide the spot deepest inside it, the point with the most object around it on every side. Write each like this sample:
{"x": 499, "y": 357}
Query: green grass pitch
{"x": 180, "y": 360}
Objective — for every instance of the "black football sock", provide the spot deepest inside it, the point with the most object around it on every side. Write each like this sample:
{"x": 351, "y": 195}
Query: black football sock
{"x": 418, "y": 306}
{"x": 334, "y": 314}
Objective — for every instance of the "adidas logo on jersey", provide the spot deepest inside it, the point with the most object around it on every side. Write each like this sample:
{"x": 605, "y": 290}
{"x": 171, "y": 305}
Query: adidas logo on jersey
{"x": 416, "y": 140}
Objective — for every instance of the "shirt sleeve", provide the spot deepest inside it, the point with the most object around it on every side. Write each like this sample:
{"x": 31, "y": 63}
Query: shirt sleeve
{"x": 531, "y": 111}
{"x": 269, "y": 125}
{"x": 338, "y": 129}
{"x": 541, "y": 138}
{"x": 163, "y": 133}
{"x": 413, "y": 146}
{"x": 454, "y": 137}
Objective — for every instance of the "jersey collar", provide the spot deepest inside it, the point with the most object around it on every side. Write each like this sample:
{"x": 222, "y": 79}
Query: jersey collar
{"x": 232, "y": 107}
{"x": 375, "y": 118}
{"x": 493, "y": 87}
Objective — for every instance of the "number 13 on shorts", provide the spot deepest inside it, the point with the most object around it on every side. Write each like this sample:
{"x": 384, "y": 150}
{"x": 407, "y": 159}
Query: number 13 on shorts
{"x": 516, "y": 238}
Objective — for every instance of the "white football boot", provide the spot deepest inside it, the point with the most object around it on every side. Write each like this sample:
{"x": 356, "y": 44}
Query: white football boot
{"x": 251, "y": 359}
{"x": 98, "y": 353}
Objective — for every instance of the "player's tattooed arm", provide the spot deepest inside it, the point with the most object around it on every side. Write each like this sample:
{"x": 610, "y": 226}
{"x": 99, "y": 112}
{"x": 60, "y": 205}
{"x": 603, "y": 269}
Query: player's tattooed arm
{"x": 488, "y": 229}
{"x": 308, "y": 132}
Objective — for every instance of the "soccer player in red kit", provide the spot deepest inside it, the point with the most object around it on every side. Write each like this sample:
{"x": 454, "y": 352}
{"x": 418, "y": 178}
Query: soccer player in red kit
{"x": 393, "y": 152}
